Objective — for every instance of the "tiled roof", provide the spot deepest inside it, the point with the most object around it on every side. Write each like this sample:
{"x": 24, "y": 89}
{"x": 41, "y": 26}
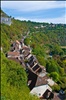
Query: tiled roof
{"x": 26, "y": 48}
{"x": 13, "y": 53}
{"x": 41, "y": 80}
{"x": 17, "y": 42}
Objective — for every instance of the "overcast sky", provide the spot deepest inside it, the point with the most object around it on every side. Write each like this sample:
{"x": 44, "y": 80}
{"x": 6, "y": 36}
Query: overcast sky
{"x": 39, "y": 11}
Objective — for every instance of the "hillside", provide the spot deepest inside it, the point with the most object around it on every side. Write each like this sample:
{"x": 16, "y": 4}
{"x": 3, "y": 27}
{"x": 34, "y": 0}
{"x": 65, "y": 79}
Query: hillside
{"x": 13, "y": 76}
{"x": 13, "y": 81}
{"x": 3, "y": 14}
{"x": 45, "y": 41}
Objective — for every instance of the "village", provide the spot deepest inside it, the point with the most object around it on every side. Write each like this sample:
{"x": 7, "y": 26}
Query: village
{"x": 38, "y": 81}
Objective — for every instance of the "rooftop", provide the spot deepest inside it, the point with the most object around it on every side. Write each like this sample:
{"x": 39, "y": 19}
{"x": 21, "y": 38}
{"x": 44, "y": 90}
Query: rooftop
{"x": 13, "y": 53}
{"x": 41, "y": 81}
{"x": 40, "y": 90}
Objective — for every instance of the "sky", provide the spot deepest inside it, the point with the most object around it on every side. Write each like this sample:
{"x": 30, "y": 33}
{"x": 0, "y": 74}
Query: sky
{"x": 38, "y": 11}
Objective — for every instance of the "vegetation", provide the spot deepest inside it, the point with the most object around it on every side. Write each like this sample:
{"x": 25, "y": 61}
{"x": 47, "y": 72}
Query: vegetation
{"x": 11, "y": 33}
{"x": 56, "y": 88}
{"x": 13, "y": 81}
{"x": 13, "y": 76}
{"x": 47, "y": 44}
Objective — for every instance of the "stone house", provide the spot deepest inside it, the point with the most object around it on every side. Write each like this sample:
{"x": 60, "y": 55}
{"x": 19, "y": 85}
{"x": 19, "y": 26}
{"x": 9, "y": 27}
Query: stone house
{"x": 6, "y": 20}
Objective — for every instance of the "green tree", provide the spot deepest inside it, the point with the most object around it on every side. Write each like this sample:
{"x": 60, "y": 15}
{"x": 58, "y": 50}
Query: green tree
{"x": 56, "y": 49}
{"x": 55, "y": 76}
{"x": 14, "y": 81}
{"x": 56, "y": 87}
{"x": 51, "y": 66}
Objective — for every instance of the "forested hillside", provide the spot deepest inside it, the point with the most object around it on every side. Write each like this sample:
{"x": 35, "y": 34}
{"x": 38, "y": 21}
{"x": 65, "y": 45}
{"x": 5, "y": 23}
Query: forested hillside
{"x": 45, "y": 40}
{"x": 13, "y": 81}
{"x": 13, "y": 76}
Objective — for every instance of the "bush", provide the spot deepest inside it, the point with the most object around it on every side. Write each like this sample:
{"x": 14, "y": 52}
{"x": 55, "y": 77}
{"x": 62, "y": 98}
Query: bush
{"x": 52, "y": 66}
{"x": 55, "y": 76}
{"x": 13, "y": 81}
{"x": 56, "y": 88}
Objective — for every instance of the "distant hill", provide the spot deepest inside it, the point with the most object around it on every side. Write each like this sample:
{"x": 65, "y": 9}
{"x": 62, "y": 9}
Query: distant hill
{"x": 43, "y": 33}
